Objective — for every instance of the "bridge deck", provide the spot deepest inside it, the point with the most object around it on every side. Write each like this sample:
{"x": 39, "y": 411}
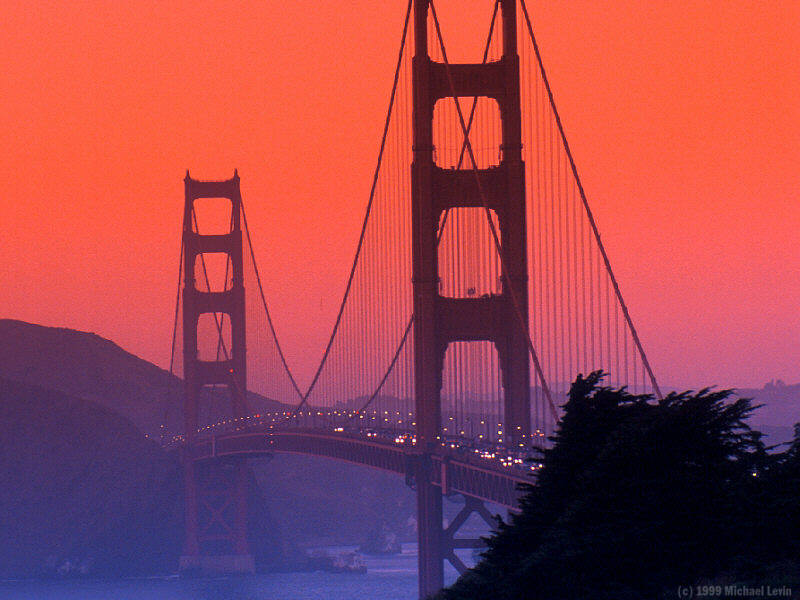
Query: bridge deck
{"x": 455, "y": 470}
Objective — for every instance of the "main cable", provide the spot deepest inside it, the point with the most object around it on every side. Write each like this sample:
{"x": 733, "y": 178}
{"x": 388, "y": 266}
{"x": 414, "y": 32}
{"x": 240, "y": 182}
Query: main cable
{"x": 264, "y": 304}
{"x": 362, "y": 235}
{"x": 174, "y": 338}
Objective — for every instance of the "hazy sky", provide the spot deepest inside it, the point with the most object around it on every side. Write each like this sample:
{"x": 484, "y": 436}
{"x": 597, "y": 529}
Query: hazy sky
{"x": 684, "y": 119}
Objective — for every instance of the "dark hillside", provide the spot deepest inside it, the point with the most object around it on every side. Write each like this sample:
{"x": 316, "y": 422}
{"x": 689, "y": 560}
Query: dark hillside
{"x": 313, "y": 501}
{"x": 780, "y": 410}
{"x": 320, "y": 501}
{"x": 81, "y": 486}
{"x": 89, "y": 366}
{"x": 82, "y": 491}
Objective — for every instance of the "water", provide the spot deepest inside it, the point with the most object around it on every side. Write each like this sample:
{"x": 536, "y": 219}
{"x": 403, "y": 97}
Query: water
{"x": 387, "y": 578}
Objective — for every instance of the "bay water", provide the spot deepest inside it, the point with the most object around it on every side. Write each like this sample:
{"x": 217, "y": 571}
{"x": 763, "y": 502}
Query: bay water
{"x": 391, "y": 577}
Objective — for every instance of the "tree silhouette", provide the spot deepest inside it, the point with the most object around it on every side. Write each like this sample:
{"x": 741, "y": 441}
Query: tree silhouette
{"x": 638, "y": 496}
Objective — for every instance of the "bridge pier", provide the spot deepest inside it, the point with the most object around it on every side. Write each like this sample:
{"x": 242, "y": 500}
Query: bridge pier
{"x": 452, "y": 543}
{"x": 222, "y": 564}
{"x": 429, "y": 529}
{"x": 435, "y": 542}
{"x": 216, "y": 518}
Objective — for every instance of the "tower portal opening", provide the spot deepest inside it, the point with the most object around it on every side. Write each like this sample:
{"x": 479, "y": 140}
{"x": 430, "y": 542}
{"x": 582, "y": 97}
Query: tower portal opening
{"x": 482, "y": 120}
{"x": 212, "y": 216}
{"x": 465, "y": 38}
{"x": 469, "y": 265}
{"x": 472, "y": 394}
{"x": 214, "y": 336}
{"x": 213, "y": 272}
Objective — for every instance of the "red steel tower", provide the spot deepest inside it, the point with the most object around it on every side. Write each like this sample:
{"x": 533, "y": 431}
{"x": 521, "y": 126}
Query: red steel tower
{"x": 438, "y": 320}
{"x": 215, "y": 491}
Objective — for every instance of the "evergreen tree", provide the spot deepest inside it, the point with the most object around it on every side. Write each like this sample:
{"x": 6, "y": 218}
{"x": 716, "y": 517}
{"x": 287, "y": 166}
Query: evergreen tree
{"x": 638, "y": 496}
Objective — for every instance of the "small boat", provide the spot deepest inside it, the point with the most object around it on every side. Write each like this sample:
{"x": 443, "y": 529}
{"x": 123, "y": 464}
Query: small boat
{"x": 348, "y": 562}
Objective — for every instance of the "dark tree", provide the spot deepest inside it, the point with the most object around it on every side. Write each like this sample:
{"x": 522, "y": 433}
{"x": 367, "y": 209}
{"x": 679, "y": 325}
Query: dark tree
{"x": 638, "y": 496}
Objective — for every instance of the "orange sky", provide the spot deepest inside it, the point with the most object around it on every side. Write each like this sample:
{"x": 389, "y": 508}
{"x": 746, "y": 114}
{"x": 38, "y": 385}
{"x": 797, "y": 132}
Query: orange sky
{"x": 684, "y": 119}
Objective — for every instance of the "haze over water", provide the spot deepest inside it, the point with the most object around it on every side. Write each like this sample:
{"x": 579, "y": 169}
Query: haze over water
{"x": 387, "y": 578}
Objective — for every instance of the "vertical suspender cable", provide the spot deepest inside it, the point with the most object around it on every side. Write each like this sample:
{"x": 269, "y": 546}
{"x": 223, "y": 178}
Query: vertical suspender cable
{"x": 589, "y": 213}
{"x": 264, "y": 304}
{"x": 366, "y": 216}
{"x": 451, "y": 283}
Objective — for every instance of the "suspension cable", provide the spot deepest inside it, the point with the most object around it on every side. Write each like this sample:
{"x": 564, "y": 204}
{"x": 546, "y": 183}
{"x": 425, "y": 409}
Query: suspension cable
{"x": 388, "y": 370}
{"x": 362, "y": 235}
{"x": 177, "y": 310}
{"x": 174, "y": 337}
{"x": 266, "y": 309}
{"x": 585, "y": 202}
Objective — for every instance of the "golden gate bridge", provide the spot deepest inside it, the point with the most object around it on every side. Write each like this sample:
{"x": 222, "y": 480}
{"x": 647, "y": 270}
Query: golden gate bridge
{"x": 479, "y": 289}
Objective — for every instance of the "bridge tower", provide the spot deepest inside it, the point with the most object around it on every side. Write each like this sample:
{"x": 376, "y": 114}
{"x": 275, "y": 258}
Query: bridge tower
{"x": 215, "y": 491}
{"x": 439, "y": 320}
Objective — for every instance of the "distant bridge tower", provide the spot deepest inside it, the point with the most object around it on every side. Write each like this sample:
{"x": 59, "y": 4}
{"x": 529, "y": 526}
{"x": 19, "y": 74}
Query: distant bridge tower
{"x": 215, "y": 491}
{"x": 439, "y": 320}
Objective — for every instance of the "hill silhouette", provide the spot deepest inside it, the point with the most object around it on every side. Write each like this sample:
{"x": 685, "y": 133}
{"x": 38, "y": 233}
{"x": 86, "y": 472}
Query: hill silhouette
{"x": 312, "y": 501}
{"x": 84, "y": 492}
{"x": 82, "y": 489}
{"x": 779, "y": 410}
{"x": 91, "y": 367}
